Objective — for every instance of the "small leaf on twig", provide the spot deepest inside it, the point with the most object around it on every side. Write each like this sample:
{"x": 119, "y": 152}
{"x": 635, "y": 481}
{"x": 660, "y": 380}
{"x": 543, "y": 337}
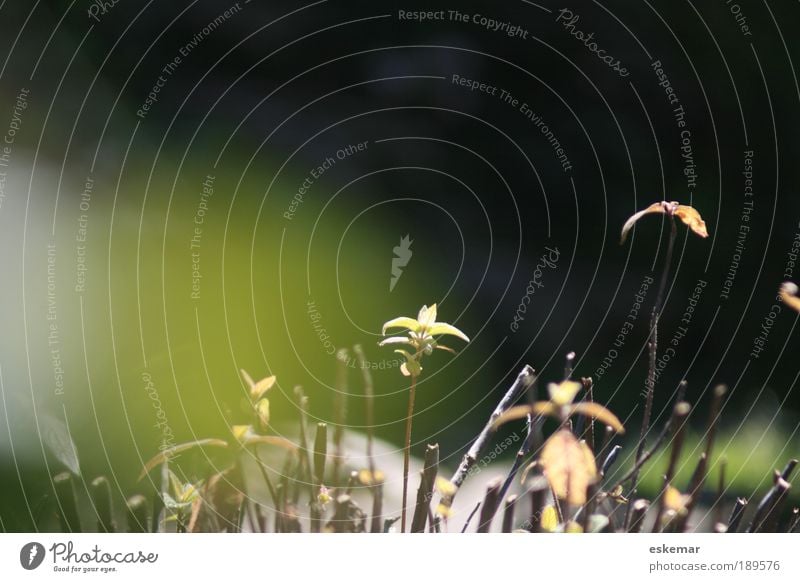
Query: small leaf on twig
{"x": 523, "y": 410}
{"x": 563, "y": 393}
{"x": 601, "y": 413}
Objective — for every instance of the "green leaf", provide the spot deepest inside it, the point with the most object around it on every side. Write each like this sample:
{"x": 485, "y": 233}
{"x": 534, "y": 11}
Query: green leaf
{"x": 55, "y": 435}
{"x": 172, "y": 451}
{"x": 262, "y": 409}
{"x": 411, "y": 367}
{"x": 404, "y": 322}
{"x": 447, "y": 329}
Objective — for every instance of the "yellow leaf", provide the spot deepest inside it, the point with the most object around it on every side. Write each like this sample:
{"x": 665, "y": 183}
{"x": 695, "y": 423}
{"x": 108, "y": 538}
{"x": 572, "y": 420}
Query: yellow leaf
{"x": 549, "y": 521}
{"x": 445, "y": 487}
{"x": 240, "y": 431}
{"x": 675, "y": 500}
{"x": 691, "y": 218}
{"x": 563, "y": 393}
{"x": 569, "y": 467}
{"x": 262, "y": 409}
{"x": 365, "y": 477}
{"x": 573, "y": 527}
{"x": 523, "y": 410}
{"x": 601, "y": 413}
{"x": 260, "y": 388}
{"x": 444, "y": 510}
{"x": 657, "y": 207}
{"x": 788, "y": 294}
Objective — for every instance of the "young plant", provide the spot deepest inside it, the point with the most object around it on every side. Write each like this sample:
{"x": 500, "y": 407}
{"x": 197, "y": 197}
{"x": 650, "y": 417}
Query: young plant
{"x": 421, "y": 340}
{"x": 568, "y": 464}
{"x": 691, "y": 218}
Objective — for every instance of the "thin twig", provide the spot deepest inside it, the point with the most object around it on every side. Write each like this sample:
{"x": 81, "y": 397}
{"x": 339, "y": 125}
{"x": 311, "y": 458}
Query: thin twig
{"x": 511, "y": 396}
{"x": 369, "y": 405}
{"x": 736, "y": 515}
{"x": 407, "y": 450}
{"x": 508, "y": 514}
{"x": 469, "y": 517}
{"x": 340, "y": 415}
{"x": 679, "y": 414}
{"x": 659, "y": 441}
{"x": 651, "y": 371}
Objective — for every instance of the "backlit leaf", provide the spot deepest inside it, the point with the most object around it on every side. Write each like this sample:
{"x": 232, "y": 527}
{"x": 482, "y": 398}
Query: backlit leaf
{"x": 523, "y": 410}
{"x": 691, "y": 218}
{"x": 657, "y": 207}
{"x": 404, "y": 322}
{"x": 427, "y": 316}
{"x": 569, "y": 467}
{"x": 445, "y": 487}
{"x": 262, "y": 409}
{"x": 563, "y": 393}
{"x": 549, "y": 521}
{"x": 601, "y": 413}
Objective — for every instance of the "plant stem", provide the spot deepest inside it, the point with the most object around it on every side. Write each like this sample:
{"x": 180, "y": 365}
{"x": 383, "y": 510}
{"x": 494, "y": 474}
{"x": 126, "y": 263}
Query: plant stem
{"x": 425, "y": 491}
{"x": 407, "y": 451}
{"x": 651, "y": 371}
